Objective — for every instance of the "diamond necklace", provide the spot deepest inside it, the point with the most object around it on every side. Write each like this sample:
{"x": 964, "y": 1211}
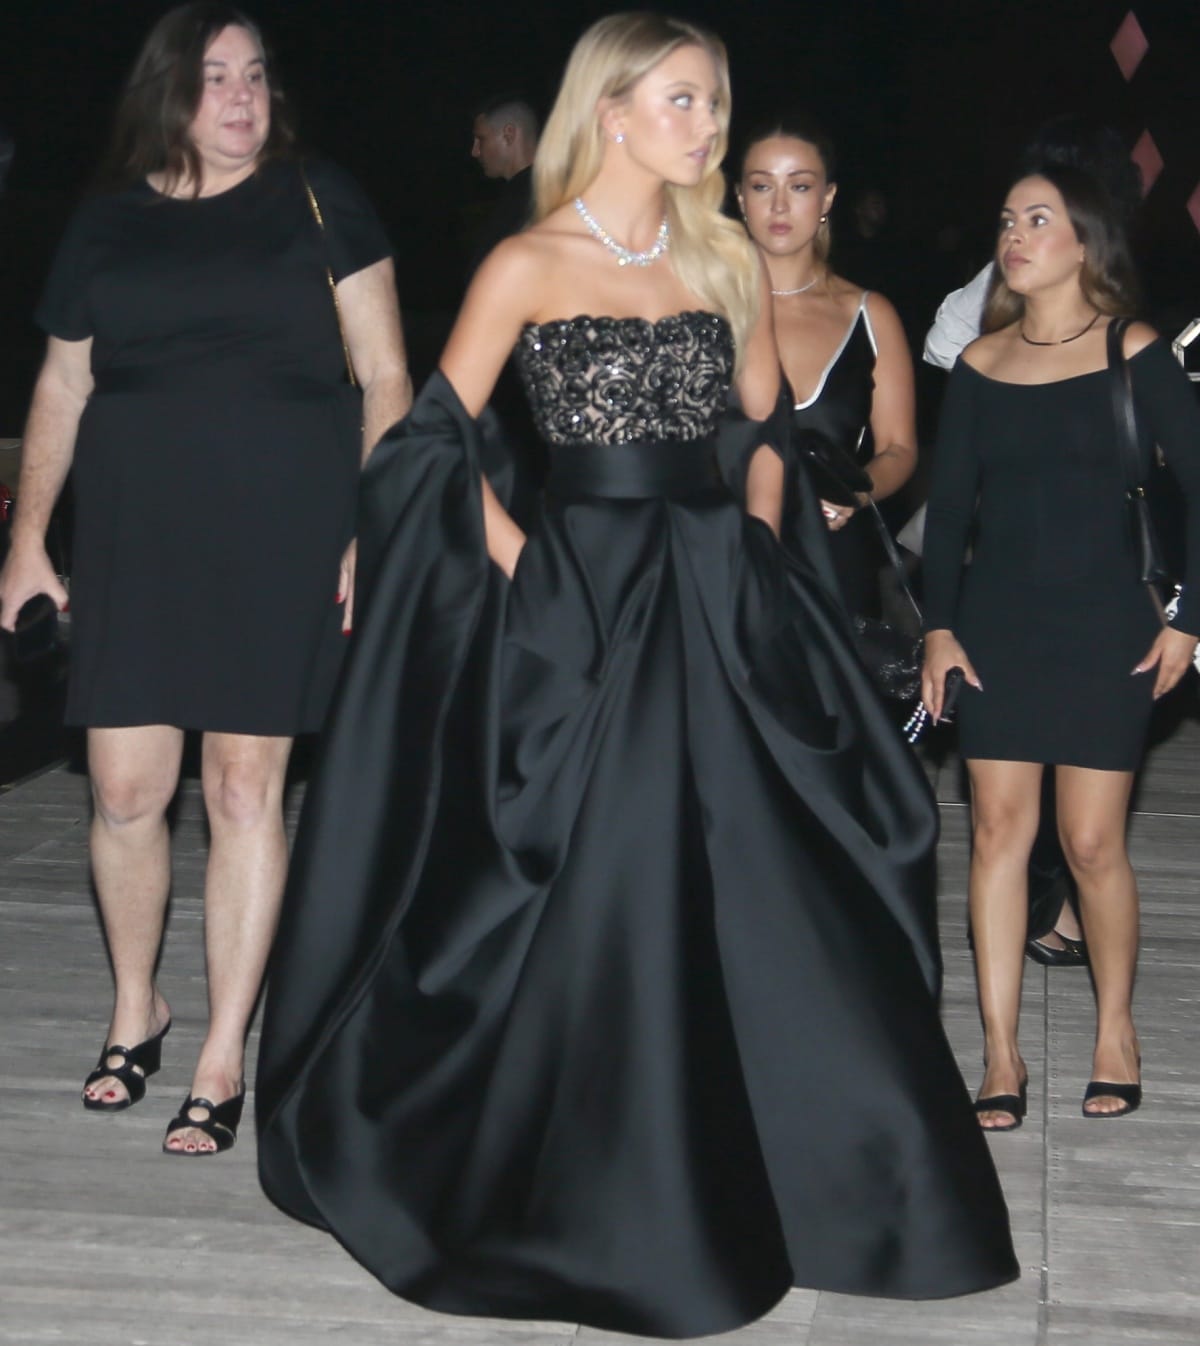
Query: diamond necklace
{"x": 625, "y": 256}
{"x": 1062, "y": 341}
{"x": 780, "y": 294}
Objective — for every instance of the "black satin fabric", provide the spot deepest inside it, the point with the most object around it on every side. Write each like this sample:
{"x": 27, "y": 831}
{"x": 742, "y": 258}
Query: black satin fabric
{"x": 605, "y": 989}
{"x": 841, "y": 407}
{"x": 840, "y": 411}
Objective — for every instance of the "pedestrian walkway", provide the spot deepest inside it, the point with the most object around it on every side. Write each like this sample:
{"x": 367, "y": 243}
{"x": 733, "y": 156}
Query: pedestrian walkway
{"x": 102, "y": 1240}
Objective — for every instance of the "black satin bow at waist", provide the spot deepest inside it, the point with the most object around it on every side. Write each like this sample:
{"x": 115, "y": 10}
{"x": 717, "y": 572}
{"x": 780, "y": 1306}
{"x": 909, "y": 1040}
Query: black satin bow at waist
{"x": 633, "y": 471}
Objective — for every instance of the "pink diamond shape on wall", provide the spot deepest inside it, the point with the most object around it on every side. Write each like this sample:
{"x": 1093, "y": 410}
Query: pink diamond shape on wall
{"x": 1145, "y": 154}
{"x": 1193, "y": 206}
{"x": 1129, "y": 45}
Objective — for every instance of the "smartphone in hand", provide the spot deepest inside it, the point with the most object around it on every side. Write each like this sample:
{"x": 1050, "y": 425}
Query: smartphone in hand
{"x": 955, "y": 678}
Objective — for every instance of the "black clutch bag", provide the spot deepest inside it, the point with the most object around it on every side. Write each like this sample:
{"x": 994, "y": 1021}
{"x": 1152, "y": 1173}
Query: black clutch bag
{"x": 835, "y": 475}
{"x": 35, "y": 632}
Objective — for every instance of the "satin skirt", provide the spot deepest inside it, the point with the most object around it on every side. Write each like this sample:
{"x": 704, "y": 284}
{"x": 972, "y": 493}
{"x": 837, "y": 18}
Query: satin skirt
{"x": 606, "y": 986}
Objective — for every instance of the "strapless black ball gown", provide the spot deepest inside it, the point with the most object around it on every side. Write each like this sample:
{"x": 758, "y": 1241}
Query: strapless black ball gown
{"x": 606, "y": 984}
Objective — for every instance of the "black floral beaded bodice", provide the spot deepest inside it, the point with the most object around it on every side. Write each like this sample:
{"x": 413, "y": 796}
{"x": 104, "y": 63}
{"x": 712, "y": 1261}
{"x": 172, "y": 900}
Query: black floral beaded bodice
{"x": 623, "y": 380}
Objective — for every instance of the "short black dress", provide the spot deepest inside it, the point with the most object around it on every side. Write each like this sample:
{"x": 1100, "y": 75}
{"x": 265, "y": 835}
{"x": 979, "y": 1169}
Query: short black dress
{"x": 840, "y": 409}
{"x": 605, "y": 987}
{"x": 217, "y": 459}
{"x": 1050, "y": 610}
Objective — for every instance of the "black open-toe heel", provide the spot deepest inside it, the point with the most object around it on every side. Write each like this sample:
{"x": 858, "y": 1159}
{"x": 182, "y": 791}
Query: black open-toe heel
{"x": 137, "y": 1065}
{"x": 220, "y": 1125}
{"x": 1129, "y": 1094}
{"x": 1015, "y": 1104}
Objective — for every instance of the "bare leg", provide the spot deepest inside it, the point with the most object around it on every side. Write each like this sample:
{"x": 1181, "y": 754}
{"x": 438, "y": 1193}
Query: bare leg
{"x": 1004, "y": 816}
{"x": 134, "y": 773}
{"x": 243, "y": 791}
{"x": 1092, "y": 811}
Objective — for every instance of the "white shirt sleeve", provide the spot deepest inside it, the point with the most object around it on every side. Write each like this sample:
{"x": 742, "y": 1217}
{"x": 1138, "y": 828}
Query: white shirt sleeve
{"x": 957, "y": 321}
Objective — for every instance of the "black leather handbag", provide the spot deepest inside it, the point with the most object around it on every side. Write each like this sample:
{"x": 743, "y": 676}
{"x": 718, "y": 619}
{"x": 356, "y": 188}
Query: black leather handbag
{"x": 835, "y": 475}
{"x": 1153, "y": 570}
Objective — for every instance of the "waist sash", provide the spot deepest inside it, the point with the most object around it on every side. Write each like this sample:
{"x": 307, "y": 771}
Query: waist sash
{"x": 636, "y": 471}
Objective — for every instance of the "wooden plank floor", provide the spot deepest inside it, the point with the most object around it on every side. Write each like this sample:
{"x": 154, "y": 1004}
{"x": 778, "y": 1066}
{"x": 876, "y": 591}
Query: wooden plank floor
{"x": 102, "y": 1240}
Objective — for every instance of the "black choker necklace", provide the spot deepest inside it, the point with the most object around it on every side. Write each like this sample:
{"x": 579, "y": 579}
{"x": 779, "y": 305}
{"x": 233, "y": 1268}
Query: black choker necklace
{"x": 1062, "y": 341}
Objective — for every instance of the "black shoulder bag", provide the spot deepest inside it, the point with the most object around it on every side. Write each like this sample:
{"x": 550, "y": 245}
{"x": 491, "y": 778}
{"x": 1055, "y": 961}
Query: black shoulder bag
{"x": 1152, "y": 566}
{"x": 893, "y": 655}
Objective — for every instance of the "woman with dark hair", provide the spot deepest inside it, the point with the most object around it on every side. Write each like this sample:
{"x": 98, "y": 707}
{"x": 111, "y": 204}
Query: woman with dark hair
{"x": 1077, "y": 141}
{"x": 196, "y": 380}
{"x": 842, "y": 348}
{"x": 1062, "y": 648}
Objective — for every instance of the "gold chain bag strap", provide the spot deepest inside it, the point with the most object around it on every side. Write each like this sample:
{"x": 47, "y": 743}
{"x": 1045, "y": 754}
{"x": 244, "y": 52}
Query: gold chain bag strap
{"x": 337, "y": 307}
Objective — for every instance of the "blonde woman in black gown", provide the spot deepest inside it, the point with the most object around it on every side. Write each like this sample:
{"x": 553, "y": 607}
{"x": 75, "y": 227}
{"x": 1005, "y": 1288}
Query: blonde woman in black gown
{"x": 606, "y": 984}
{"x": 1063, "y": 651}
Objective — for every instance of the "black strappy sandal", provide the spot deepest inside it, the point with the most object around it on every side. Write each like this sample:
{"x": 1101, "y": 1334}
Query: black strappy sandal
{"x": 220, "y": 1125}
{"x": 137, "y": 1065}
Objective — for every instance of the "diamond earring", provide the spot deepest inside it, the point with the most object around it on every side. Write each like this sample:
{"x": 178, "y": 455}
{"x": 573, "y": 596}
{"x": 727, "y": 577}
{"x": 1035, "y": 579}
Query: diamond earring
{"x": 619, "y": 138}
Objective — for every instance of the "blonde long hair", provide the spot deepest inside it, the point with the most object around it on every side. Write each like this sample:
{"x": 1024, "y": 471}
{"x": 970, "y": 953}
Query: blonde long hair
{"x": 710, "y": 253}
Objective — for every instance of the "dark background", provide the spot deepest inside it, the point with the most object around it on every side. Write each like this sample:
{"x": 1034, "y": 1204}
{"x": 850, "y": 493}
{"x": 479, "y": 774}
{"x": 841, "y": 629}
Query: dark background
{"x": 927, "y": 99}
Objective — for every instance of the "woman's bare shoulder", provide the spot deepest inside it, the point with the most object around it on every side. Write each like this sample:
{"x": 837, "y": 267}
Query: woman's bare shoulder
{"x": 540, "y": 256}
{"x": 845, "y": 292}
{"x": 882, "y": 311}
{"x": 1138, "y": 335}
{"x": 985, "y": 352}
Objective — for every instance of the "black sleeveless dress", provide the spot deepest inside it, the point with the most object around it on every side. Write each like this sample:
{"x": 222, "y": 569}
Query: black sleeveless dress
{"x": 216, "y": 465}
{"x": 840, "y": 409}
{"x": 606, "y": 984}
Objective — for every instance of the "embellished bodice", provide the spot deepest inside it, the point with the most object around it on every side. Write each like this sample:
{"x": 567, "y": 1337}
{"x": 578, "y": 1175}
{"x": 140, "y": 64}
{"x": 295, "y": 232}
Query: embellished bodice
{"x": 626, "y": 380}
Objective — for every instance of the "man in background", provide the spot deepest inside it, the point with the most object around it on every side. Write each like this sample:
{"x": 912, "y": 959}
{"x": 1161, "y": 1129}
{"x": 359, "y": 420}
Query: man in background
{"x": 505, "y": 134}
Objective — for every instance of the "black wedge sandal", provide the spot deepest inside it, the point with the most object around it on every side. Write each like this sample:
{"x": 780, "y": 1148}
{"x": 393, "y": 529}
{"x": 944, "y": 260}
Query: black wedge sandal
{"x": 220, "y": 1125}
{"x": 137, "y": 1065}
